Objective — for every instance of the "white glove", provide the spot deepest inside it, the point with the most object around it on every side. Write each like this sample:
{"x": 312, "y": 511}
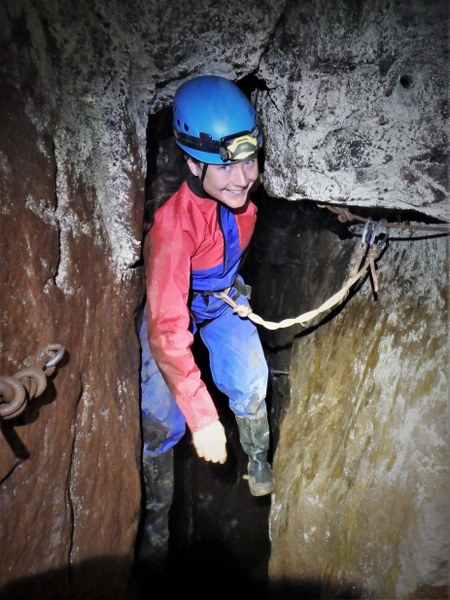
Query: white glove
{"x": 211, "y": 443}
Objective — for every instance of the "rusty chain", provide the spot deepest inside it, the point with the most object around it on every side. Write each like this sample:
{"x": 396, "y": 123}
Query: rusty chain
{"x": 29, "y": 382}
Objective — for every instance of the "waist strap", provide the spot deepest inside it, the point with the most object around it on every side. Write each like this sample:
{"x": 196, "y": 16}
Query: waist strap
{"x": 242, "y": 288}
{"x": 238, "y": 285}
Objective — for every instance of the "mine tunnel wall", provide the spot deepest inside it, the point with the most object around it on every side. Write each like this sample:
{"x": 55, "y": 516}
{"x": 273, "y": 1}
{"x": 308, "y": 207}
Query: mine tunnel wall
{"x": 353, "y": 106}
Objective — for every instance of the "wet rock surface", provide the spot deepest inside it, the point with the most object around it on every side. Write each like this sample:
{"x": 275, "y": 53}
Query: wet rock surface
{"x": 352, "y": 102}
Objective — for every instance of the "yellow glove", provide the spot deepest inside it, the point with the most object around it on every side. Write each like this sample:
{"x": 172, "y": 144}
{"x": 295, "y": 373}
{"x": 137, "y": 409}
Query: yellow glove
{"x": 210, "y": 443}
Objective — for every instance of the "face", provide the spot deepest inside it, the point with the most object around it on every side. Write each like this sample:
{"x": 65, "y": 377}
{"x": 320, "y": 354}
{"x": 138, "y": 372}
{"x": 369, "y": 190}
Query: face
{"x": 230, "y": 184}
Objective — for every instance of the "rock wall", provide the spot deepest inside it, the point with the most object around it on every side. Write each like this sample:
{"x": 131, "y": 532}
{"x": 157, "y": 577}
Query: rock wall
{"x": 355, "y": 104}
{"x": 69, "y": 470}
{"x": 78, "y": 82}
{"x": 360, "y": 411}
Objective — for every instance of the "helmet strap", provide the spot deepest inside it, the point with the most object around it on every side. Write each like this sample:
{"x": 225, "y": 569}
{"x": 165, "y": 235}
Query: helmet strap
{"x": 203, "y": 175}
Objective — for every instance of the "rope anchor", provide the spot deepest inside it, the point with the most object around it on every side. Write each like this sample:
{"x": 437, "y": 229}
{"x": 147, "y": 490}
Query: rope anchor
{"x": 29, "y": 382}
{"x": 370, "y": 250}
{"x": 364, "y": 250}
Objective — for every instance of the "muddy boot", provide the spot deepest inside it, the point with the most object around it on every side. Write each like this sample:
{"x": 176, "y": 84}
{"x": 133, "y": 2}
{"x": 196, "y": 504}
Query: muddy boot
{"x": 254, "y": 437}
{"x": 158, "y": 493}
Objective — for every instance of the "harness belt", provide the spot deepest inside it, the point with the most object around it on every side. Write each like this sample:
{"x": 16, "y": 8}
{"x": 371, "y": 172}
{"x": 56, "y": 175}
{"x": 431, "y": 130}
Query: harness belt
{"x": 238, "y": 285}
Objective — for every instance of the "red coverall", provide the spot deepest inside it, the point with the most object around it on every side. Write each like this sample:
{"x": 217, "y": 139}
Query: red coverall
{"x": 196, "y": 243}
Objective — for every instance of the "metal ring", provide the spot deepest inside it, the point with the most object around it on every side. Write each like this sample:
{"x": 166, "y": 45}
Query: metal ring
{"x": 375, "y": 231}
{"x": 364, "y": 233}
{"x": 59, "y": 354}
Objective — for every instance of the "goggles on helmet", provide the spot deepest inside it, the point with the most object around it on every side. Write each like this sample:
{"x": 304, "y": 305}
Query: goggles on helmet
{"x": 239, "y": 146}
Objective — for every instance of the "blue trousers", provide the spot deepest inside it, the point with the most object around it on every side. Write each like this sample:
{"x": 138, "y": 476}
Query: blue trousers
{"x": 238, "y": 368}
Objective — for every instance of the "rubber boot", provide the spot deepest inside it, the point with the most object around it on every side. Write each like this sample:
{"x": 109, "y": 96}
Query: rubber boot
{"x": 254, "y": 437}
{"x": 158, "y": 494}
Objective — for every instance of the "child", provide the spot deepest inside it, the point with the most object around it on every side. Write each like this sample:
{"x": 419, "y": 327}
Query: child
{"x": 203, "y": 222}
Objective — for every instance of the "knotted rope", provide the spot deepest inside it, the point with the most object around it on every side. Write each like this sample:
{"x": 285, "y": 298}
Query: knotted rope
{"x": 29, "y": 382}
{"x": 369, "y": 251}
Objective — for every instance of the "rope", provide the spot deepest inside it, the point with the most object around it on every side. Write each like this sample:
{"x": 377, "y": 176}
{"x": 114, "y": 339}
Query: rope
{"x": 369, "y": 251}
{"x": 345, "y": 215}
{"x": 246, "y": 311}
{"x": 29, "y": 382}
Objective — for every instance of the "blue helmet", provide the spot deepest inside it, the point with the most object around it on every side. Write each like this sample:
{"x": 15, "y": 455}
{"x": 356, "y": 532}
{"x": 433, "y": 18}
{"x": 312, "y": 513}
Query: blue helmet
{"x": 214, "y": 122}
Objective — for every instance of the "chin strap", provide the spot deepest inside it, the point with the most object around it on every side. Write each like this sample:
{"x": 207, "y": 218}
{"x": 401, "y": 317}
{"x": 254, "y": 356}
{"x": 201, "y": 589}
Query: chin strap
{"x": 203, "y": 175}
